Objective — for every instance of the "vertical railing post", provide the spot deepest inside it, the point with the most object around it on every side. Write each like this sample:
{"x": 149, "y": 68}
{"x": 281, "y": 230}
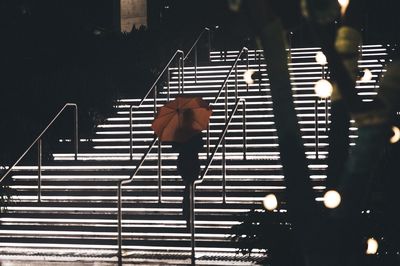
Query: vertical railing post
{"x": 209, "y": 45}
{"x": 168, "y": 84}
{"x": 247, "y": 67}
{"x": 159, "y": 170}
{"x": 183, "y": 73}
{"x": 39, "y": 193}
{"x": 195, "y": 63}
{"x": 155, "y": 101}
{"x": 236, "y": 83}
{"x": 224, "y": 149}
{"x": 179, "y": 75}
{"x": 326, "y": 115}
{"x": 192, "y": 225}
{"x": 244, "y": 131}
{"x": 119, "y": 218}
{"x": 259, "y": 71}
{"x": 76, "y": 132}
{"x": 316, "y": 129}
{"x": 208, "y": 140}
{"x": 130, "y": 134}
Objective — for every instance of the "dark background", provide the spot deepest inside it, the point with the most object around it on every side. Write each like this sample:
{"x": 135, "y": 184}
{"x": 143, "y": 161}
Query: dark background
{"x": 58, "y": 51}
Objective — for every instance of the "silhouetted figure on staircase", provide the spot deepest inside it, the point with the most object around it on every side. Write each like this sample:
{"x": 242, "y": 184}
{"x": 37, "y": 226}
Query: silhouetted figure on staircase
{"x": 188, "y": 166}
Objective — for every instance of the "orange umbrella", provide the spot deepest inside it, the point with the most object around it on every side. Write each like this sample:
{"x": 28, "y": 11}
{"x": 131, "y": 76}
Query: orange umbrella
{"x": 180, "y": 119}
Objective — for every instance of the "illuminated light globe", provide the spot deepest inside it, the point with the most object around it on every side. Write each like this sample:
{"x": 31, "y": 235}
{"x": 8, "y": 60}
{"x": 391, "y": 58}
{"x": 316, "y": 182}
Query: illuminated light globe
{"x": 323, "y": 88}
{"x": 320, "y": 58}
{"x": 396, "y": 135}
{"x": 247, "y": 76}
{"x": 367, "y": 75}
{"x": 372, "y": 246}
{"x": 270, "y": 202}
{"x": 332, "y": 199}
{"x": 343, "y": 5}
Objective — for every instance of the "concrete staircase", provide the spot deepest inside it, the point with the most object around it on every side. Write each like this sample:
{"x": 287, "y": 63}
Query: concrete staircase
{"x": 77, "y": 217}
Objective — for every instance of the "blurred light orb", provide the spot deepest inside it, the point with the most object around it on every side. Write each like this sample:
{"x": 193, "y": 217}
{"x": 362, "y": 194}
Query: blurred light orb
{"x": 270, "y": 202}
{"x": 323, "y": 88}
{"x": 372, "y": 246}
{"x": 343, "y": 6}
{"x": 332, "y": 199}
{"x": 367, "y": 75}
{"x": 321, "y": 58}
{"x": 396, "y": 135}
{"x": 247, "y": 76}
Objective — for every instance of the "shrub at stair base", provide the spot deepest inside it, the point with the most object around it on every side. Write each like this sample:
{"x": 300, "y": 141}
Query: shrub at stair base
{"x": 270, "y": 232}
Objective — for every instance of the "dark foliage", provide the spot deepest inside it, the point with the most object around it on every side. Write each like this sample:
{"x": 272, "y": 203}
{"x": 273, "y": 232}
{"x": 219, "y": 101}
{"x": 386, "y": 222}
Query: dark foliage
{"x": 268, "y": 231}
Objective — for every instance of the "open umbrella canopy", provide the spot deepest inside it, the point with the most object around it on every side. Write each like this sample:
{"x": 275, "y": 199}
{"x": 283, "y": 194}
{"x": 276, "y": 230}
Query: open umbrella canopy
{"x": 180, "y": 119}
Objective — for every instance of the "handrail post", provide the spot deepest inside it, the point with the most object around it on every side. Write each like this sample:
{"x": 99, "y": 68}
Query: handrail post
{"x": 195, "y": 64}
{"x": 244, "y": 131}
{"x": 168, "y": 84}
{"x": 192, "y": 225}
{"x": 259, "y": 70}
{"x": 130, "y": 133}
{"x": 316, "y": 128}
{"x": 224, "y": 149}
{"x": 208, "y": 140}
{"x": 326, "y": 115}
{"x": 209, "y": 45}
{"x": 159, "y": 170}
{"x": 76, "y": 133}
{"x": 39, "y": 193}
{"x": 247, "y": 65}
{"x": 236, "y": 82}
{"x": 119, "y": 218}
{"x": 179, "y": 75}
{"x": 183, "y": 73}
{"x": 155, "y": 101}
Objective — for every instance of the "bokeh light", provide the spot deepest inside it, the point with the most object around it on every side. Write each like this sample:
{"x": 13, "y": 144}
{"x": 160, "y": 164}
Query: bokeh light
{"x": 320, "y": 58}
{"x": 270, "y": 202}
{"x": 332, "y": 199}
{"x": 372, "y": 246}
{"x": 323, "y": 88}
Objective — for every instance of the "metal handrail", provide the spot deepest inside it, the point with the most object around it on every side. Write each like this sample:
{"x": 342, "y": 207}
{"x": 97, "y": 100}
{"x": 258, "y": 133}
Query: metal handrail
{"x": 195, "y": 51}
{"x": 244, "y": 49}
{"x": 39, "y": 141}
{"x": 207, "y": 166}
{"x": 119, "y": 195}
{"x": 154, "y": 86}
{"x": 197, "y": 40}
{"x": 224, "y": 85}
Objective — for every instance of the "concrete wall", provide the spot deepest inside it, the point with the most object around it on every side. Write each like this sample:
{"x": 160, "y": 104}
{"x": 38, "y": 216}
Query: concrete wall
{"x": 133, "y": 12}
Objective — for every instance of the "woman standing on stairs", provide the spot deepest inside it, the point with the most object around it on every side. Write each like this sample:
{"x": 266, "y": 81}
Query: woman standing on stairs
{"x": 188, "y": 166}
{"x": 188, "y": 163}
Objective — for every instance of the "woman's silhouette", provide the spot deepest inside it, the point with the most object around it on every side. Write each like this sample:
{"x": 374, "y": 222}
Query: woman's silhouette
{"x": 188, "y": 163}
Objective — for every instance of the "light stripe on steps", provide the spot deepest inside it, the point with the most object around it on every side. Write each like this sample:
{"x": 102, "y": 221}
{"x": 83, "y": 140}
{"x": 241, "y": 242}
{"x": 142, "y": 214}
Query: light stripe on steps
{"x": 42, "y": 233}
{"x": 126, "y": 222}
{"x": 257, "y": 145}
{"x": 132, "y": 167}
{"x": 96, "y": 209}
{"x": 117, "y": 177}
{"x": 125, "y": 247}
{"x": 148, "y": 187}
